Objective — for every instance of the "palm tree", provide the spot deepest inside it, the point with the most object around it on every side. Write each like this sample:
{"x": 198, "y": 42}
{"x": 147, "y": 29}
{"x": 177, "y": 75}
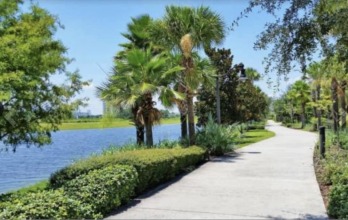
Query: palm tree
{"x": 302, "y": 93}
{"x": 316, "y": 72}
{"x": 183, "y": 29}
{"x": 136, "y": 78}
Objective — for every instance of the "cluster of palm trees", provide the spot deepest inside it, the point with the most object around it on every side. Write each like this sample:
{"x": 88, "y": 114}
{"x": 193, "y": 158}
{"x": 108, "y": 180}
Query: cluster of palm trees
{"x": 161, "y": 58}
{"x": 322, "y": 92}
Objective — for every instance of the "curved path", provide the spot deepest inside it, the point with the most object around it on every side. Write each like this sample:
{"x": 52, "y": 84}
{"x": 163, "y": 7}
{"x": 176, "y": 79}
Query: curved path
{"x": 273, "y": 178}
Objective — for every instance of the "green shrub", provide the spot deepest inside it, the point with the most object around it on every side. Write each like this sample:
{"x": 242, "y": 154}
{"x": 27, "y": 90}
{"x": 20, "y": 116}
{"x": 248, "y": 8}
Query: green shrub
{"x": 103, "y": 189}
{"x": 338, "y": 202}
{"x": 153, "y": 165}
{"x": 45, "y": 205}
{"x": 216, "y": 138}
{"x": 187, "y": 157}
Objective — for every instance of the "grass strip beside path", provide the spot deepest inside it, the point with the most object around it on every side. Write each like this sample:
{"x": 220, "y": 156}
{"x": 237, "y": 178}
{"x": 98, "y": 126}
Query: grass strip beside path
{"x": 116, "y": 123}
{"x": 253, "y": 136}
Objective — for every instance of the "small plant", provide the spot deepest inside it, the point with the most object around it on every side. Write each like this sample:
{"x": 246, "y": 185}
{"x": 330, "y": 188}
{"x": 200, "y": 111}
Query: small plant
{"x": 216, "y": 138}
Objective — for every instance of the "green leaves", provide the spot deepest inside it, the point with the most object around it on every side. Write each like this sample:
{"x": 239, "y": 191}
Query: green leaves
{"x": 29, "y": 57}
{"x": 218, "y": 139}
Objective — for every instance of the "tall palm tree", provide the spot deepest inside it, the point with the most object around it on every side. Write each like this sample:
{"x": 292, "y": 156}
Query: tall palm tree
{"x": 302, "y": 93}
{"x": 136, "y": 78}
{"x": 183, "y": 29}
{"x": 138, "y": 36}
{"x": 316, "y": 73}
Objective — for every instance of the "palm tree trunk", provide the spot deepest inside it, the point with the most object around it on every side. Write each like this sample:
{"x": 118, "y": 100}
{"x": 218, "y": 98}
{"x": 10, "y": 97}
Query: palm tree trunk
{"x": 140, "y": 134}
{"x": 303, "y": 115}
{"x": 182, "y": 106}
{"x": 148, "y": 131}
{"x": 334, "y": 86}
{"x": 183, "y": 122}
{"x": 138, "y": 126}
{"x": 315, "y": 110}
{"x": 319, "y": 112}
{"x": 191, "y": 118}
{"x": 343, "y": 104}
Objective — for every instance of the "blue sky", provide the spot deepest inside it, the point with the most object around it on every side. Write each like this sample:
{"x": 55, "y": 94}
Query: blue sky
{"x": 92, "y": 34}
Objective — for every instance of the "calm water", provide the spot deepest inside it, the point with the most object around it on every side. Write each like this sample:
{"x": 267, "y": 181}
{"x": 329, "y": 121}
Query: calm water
{"x": 30, "y": 165}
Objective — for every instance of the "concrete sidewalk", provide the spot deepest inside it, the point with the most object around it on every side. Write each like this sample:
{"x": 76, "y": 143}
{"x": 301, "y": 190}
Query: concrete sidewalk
{"x": 270, "y": 179}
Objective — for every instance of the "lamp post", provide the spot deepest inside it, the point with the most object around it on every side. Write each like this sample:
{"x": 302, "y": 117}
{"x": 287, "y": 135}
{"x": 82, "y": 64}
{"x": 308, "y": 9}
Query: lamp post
{"x": 242, "y": 76}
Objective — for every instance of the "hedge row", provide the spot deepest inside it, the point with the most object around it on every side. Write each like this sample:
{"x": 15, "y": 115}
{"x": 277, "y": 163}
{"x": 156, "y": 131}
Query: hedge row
{"x": 92, "y": 187}
{"x": 88, "y": 196}
{"x": 152, "y": 165}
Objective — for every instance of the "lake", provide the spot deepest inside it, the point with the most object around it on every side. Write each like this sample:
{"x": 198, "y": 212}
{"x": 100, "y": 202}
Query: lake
{"x": 30, "y": 165}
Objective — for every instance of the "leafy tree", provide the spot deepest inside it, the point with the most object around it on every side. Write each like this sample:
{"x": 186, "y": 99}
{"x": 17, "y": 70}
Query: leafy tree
{"x": 31, "y": 105}
{"x": 305, "y": 27}
{"x": 252, "y": 103}
{"x": 222, "y": 61}
{"x": 240, "y": 101}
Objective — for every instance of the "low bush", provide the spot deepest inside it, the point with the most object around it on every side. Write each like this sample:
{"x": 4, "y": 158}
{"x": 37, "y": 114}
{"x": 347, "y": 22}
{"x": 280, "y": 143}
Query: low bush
{"x": 103, "y": 189}
{"x": 152, "y": 165}
{"x": 218, "y": 139}
{"x": 338, "y": 202}
{"x": 51, "y": 204}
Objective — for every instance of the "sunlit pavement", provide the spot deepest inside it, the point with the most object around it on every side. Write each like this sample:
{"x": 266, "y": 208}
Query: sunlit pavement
{"x": 271, "y": 179}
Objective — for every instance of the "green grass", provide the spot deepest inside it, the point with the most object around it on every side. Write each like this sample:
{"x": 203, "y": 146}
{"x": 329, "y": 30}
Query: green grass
{"x": 254, "y": 136}
{"x": 115, "y": 123}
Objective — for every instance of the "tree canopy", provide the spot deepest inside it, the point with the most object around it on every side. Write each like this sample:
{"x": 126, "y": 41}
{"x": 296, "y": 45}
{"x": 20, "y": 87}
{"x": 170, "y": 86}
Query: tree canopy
{"x": 31, "y": 105}
{"x": 305, "y": 27}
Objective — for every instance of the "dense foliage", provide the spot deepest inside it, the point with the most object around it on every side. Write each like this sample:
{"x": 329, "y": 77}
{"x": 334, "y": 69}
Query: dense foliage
{"x": 103, "y": 189}
{"x": 52, "y": 204}
{"x": 303, "y": 28}
{"x": 29, "y": 57}
{"x": 153, "y": 165}
{"x": 334, "y": 174}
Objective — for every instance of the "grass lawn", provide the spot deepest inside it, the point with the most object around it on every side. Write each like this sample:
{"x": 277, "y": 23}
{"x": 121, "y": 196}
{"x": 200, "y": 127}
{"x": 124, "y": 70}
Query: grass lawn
{"x": 254, "y": 136}
{"x": 115, "y": 123}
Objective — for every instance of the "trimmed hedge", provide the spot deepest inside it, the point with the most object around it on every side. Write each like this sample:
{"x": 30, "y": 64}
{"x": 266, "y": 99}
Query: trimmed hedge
{"x": 103, "y": 189}
{"x": 153, "y": 165}
{"x": 88, "y": 196}
{"x": 52, "y": 204}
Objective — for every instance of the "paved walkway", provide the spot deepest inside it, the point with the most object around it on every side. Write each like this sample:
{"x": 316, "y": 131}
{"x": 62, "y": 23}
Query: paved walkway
{"x": 270, "y": 179}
